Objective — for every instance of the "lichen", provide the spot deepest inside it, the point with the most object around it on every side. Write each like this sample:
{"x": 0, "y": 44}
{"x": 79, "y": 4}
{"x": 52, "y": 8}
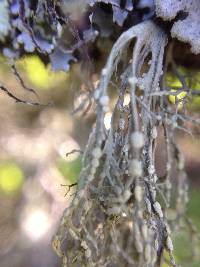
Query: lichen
{"x": 185, "y": 28}
{"x": 115, "y": 217}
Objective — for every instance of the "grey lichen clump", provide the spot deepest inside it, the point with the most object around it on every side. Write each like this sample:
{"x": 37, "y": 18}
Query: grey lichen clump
{"x": 119, "y": 215}
{"x": 187, "y": 29}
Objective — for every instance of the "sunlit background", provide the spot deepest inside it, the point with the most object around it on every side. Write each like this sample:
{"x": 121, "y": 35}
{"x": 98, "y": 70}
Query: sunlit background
{"x": 34, "y": 168}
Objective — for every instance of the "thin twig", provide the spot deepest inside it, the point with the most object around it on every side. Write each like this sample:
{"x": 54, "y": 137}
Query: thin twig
{"x": 74, "y": 151}
{"x": 16, "y": 73}
{"x": 69, "y": 187}
{"x": 18, "y": 100}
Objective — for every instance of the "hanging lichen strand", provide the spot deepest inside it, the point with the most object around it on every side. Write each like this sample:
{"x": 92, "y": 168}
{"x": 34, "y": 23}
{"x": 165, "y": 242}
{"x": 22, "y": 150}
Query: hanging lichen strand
{"x": 118, "y": 215}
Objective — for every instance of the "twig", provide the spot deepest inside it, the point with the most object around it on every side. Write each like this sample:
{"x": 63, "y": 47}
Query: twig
{"x": 74, "y": 151}
{"x": 69, "y": 187}
{"x": 18, "y": 100}
{"x": 16, "y": 73}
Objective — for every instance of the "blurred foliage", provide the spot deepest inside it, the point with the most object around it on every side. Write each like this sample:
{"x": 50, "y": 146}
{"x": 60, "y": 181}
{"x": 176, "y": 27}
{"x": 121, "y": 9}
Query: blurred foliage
{"x": 173, "y": 81}
{"x": 193, "y": 206}
{"x": 32, "y": 68}
{"x": 11, "y": 177}
{"x": 40, "y": 75}
{"x": 70, "y": 169}
{"x": 192, "y": 78}
{"x": 182, "y": 242}
{"x": 4, "y": 69}
{"x": 178, "y": 98}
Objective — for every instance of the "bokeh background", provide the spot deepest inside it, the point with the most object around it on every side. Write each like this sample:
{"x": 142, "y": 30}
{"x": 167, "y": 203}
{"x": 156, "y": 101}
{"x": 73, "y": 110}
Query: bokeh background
{"x": 34, "y": 167}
